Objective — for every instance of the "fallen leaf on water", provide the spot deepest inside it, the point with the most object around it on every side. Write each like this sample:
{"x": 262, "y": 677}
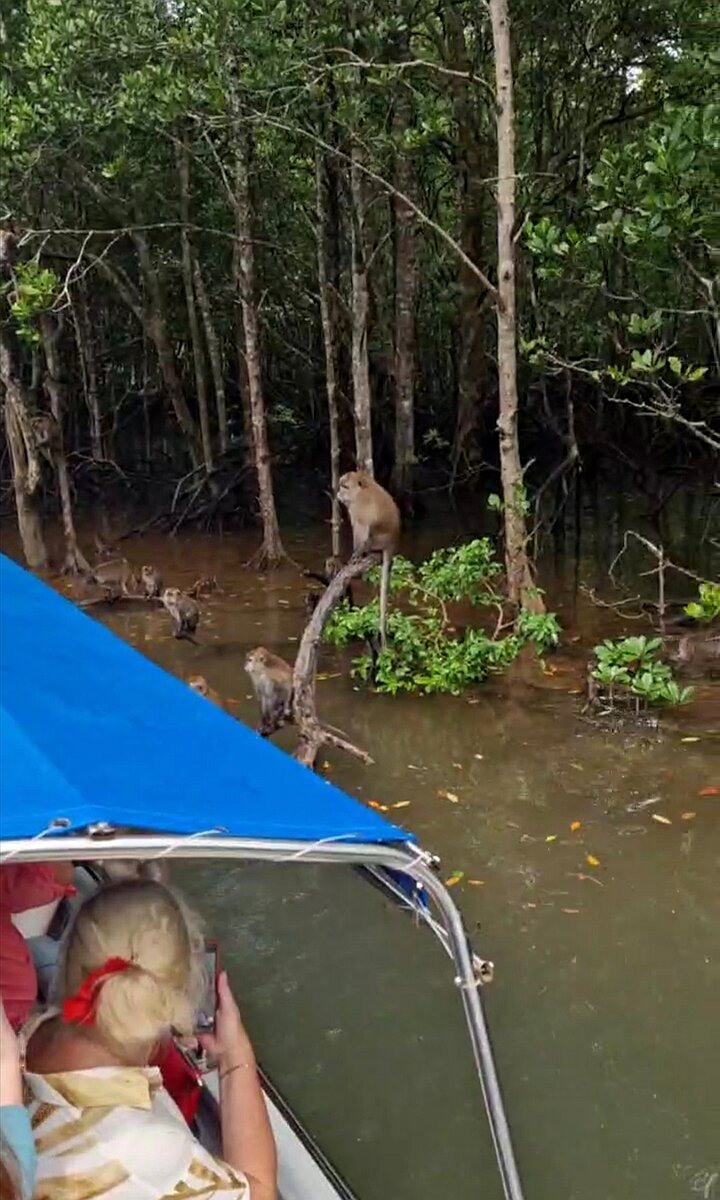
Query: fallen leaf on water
{"x": 376, "y": 805}
{"x": 477, "y": 756}
{"x": 588, "y": 879}
{"x": 454, "y": 878}
{"x": 529, "y": 904}
{"x": 690, "y": 739}
{"x": 661, "y": 820}
{"x": 689, "y": 816}
{"x": 474, "y": 701}
{"x": 401, "y": 804}
{"x": 448, "y": 796}
{"x": 573, "y": 692}
{"x": 476, "y": 882}
{"x": 570, "y": 911}
{"x": 592, "y": 861}
{"x": 328, "y": 675}
{"x": 551, "y": 837}
{"x": 327, "y": 766}
{"x": 574, "y": 826}
{"x": 709, "y": 791}
{"x": 248, "y": 696}
{"x": 459, "y": 766}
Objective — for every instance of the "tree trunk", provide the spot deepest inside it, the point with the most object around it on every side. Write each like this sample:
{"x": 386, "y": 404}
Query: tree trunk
{"x": 50, "y": 330}
{"x": 156, "y": 326}
{"x": 271, "y": 552}
{"x": 327, "y": 210}
{"x": 406, "y": 282}
{"x": 88, "y": 366}
{"x": 360, "y": 311}
{"x": 521, "y": 589}
{"x": 213, "y": 344}
{"x": 183, "y": 161}
{"x": 471, "y": 358}
{"x": 23, "y": 454}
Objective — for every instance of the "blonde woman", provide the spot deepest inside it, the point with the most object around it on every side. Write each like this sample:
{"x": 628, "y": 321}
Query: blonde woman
{"x": 131, "y": 973}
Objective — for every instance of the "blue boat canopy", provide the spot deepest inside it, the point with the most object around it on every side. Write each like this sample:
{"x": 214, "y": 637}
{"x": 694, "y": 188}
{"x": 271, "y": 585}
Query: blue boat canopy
{"x": 90, "y": 731}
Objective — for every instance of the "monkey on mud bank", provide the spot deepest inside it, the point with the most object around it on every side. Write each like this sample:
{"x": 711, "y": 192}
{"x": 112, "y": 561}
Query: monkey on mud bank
{"x": 115, "y": 576}
{"x": 199, "y": 684}
{"x": 151, "y": 582}
{"x": 375, "y": 520}
{"x": 184, "y": 614}
{"x": 272, "y": 680}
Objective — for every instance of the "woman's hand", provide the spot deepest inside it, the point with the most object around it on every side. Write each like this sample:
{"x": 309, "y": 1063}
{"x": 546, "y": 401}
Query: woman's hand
{"x": 10, "y": 1066}
{"x": 229, "y": 1045}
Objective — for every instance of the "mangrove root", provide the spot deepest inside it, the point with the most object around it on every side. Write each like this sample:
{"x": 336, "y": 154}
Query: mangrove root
{"x": 313, "y": 735}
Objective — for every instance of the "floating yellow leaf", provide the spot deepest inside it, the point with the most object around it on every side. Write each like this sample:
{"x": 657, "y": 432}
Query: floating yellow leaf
{"x": 379, "y": 807}
{"x": 690, "y": 739}
{"x": 551, "y": 837}
{"x": 570, "y": 911}
{"x": 401, "y": 804}
{"x": 574, "y": 691}
{"x": 476, "y": 882}
{"x": 661, "y": 820}
{"x": 327, "y": 766}
{"x": 448, "y": 796}
{"x": 574, "y": 826}
{"x": 592, "y": 861}
{"x": 689, "y": 816}
{"x": 454, "y": 878}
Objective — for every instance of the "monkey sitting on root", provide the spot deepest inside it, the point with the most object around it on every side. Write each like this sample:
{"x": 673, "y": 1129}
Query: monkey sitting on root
{"x": 375, "y": 521}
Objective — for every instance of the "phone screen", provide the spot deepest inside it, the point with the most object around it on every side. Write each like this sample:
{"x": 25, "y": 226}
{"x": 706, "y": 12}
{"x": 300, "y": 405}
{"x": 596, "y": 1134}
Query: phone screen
{"x": 206, "y": 1014}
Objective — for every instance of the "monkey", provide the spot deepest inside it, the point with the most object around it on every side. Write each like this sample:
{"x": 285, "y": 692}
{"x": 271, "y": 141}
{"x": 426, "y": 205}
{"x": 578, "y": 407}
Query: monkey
{"x": 8, "y": 253}
{"x": 184, "y": 613}
{"x": 199, "y": 684}
{"x": 272, "y": 681}
{"x": 151, "y": 582}
{"x": 375, "y": 520}
{"x": 46, "y": 432}
{"x": 328, "y": 573}
{"x": 115, "y": 577}
{"x": 698, "y": 652}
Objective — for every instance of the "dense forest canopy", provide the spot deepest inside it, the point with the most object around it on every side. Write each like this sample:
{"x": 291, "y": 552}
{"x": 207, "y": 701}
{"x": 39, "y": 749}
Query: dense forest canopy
{"x": 242, "y": 236}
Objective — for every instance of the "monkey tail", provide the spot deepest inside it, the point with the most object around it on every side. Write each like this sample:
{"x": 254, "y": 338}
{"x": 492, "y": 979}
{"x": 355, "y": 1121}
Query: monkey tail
{"x": 384, "y": 584}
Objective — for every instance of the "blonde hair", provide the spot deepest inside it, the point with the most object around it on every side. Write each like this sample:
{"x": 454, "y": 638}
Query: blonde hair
{"x": 146, "y": 923}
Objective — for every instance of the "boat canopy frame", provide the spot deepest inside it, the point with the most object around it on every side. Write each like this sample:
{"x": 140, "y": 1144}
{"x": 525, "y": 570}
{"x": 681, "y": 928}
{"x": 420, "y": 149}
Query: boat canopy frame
{"x": 107, "y": 842}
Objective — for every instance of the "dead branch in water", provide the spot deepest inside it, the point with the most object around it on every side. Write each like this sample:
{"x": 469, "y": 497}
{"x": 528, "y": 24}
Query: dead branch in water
{"x": 312, "y": 735}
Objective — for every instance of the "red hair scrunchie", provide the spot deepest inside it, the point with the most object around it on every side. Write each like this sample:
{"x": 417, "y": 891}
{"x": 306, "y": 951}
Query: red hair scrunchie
{"x": 80, "y": 1008}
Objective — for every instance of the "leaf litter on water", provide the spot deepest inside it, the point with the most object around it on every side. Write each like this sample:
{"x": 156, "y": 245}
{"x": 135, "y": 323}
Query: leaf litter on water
{"x": 574, "y": 826}
{"x": 448, "y": 796}
{"x": 709, "y": 791}
{"x": 661, "y": 820}
{"x": 688, "y": 816}
{"x": 454, "y": 878}
{"x": 592, "y": 861}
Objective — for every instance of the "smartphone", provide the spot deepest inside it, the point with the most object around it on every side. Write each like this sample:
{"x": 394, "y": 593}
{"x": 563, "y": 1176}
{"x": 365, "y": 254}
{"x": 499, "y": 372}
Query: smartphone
{"x": 208, "y": 1006}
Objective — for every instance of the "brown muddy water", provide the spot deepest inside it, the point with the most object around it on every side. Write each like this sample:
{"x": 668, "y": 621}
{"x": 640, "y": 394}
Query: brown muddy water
{"x": 603, "y": 922}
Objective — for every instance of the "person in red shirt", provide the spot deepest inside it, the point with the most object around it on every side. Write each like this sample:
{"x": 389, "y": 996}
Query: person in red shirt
{"x": 24, "y": 886}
